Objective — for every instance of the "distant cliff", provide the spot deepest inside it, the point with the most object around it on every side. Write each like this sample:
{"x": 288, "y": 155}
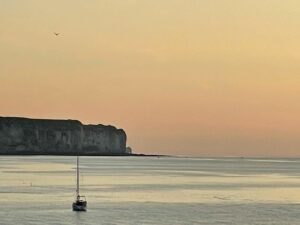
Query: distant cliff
{"x": 59, "y": 137}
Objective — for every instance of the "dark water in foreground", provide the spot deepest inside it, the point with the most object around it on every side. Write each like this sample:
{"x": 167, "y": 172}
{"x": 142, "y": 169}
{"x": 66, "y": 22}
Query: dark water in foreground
{"x": 141, "y": 190}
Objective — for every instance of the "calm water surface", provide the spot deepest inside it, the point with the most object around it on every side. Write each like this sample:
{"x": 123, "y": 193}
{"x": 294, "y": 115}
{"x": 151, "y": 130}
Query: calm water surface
{"x": 145, "y": 190}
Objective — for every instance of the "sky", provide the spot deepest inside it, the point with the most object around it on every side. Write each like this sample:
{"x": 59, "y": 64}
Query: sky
{"x": 181, "y": 77}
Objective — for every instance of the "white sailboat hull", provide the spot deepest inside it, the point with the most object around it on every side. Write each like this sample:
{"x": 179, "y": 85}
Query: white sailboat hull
{"x": 79, "y": 206}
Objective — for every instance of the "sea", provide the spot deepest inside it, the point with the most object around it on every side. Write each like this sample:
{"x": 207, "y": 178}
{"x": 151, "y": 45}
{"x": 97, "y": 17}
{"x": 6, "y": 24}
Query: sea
{"x": 150, "y": 190}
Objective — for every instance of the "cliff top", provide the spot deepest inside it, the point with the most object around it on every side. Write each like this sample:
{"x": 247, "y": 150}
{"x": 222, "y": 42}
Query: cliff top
{"x": 51, "y": 122}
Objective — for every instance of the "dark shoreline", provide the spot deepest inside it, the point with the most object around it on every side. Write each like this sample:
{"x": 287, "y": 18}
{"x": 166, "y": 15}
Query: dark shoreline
{"x": 125, "y": 155}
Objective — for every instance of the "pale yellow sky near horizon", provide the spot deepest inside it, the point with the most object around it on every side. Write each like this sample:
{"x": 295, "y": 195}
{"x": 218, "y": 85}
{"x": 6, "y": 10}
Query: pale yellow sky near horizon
{"x": 184, "y": 77}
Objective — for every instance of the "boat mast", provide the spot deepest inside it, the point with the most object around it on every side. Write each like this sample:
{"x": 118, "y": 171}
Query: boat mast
{"x": 77, "y": 188}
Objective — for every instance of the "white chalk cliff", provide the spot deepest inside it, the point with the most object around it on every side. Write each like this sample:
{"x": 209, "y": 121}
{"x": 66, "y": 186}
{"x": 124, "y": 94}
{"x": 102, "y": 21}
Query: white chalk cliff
{"x": 59, "y": 137}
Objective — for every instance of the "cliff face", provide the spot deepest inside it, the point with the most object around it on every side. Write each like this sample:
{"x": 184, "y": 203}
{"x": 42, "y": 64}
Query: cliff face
{"x": 59, "y": 137}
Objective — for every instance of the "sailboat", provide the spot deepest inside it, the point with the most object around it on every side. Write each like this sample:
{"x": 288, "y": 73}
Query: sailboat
{"x": 80, "y": 203}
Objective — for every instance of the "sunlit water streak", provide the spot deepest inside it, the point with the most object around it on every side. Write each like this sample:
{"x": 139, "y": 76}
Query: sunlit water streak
{"x": 150, "y": 190}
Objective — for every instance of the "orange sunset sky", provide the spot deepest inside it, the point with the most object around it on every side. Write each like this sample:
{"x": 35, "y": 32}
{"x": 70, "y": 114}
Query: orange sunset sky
{"x": 184, "y": 77}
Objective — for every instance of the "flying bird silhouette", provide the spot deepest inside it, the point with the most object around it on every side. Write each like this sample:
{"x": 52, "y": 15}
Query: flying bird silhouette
{"x": 56, "y": 34}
